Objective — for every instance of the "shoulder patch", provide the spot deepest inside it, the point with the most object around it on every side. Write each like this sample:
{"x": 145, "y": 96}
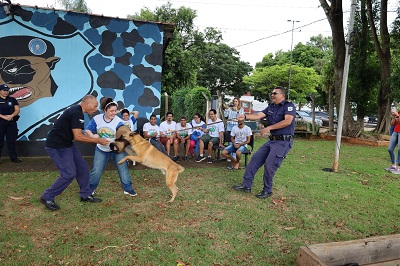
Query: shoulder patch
{"x": 290, "y": 108}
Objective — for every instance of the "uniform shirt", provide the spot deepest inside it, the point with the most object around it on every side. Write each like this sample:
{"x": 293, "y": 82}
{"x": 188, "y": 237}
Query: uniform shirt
{"x": 105, "y": 130}
{"x": 276, "y": 113}
{"x": 7, "y": 105}
{"x": 215, "y": 128}
{"x": 61, "y": 135}
{"x": 167, "y": 129}
{"x": 130, "y": 123}
{"x": 195, "y": 126}
{"x": 241, "y": 134}
{"x": 153, "y": 131}
{"x": 181, "y": 130}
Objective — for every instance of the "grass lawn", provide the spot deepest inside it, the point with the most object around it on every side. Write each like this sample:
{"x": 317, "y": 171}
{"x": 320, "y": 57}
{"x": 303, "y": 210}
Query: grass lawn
{"x": 209, "y": 223}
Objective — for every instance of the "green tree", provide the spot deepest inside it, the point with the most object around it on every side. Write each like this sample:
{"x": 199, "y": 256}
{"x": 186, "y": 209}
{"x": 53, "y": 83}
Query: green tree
{"x": 303, "y": 82}
{"x": 75, "y": 5}
{"x": 221, "y": 69}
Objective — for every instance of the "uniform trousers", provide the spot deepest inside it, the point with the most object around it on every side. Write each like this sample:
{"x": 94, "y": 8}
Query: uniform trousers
{"x": 271, "y": 155}
{"x": 71, "y": 164}
{"x": 9, "y": 130}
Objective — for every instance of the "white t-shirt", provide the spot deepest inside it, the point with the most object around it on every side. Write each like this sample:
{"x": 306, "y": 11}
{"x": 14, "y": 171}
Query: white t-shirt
{"x": 195, "y": 126}
{"x": 167, "y": 129}
{"x": 105, "y": 130}
{"x": 153, "y": 131}
{"x": 215, "y": 128}
{"x": 241, "y": 134}
{"x": 183, "y": 131}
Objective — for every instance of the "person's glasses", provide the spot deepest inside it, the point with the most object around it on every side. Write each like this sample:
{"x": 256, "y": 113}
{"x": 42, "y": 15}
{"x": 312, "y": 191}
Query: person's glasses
{"x": 275, "y": 93}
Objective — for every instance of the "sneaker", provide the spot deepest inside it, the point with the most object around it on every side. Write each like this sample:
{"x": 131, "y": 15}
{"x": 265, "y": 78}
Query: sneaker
{"x": 391, "y": 168}
{"x": 186, "y": 158}
{"x": 209, "y": 159}
{"x": 228, "y": 160}
{"x": 176, "y": 158}
{"x": 50, "y": 204}
{"x": 200, "y": 158}
{"x": 131, "y": 193}
{"x": 395, "y": 171}
{"x": 16, "y": 160}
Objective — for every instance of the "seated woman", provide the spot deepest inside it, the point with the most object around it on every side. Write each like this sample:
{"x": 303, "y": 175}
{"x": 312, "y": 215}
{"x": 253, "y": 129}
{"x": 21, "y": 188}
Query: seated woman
{"x": 105, "y": 126}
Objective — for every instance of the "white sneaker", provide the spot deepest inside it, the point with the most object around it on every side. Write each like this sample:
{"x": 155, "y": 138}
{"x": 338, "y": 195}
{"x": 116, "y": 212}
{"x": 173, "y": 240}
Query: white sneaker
{"x": 395, "y": 171}
{"x": 131, "y": 193}
{"x": 228, "y": 160}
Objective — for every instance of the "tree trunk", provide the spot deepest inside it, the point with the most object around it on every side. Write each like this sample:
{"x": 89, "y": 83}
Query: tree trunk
{"x": 382, "y": 47}
{"x": 334, "y": 14}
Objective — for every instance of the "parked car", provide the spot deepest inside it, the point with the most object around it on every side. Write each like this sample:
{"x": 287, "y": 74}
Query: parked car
{"x": 372, "y": 119}
{"x": 324, "y": 117}
{"x": 304, "y": 116}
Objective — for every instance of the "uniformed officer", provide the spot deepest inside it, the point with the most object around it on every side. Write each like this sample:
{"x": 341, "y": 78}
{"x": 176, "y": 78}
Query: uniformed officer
{"x": 9, "y": 110}
{"x": 281, "y": 117}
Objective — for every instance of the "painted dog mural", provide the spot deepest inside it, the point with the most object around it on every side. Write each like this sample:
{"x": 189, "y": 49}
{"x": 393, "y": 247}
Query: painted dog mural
{"x": 50, "y": 59}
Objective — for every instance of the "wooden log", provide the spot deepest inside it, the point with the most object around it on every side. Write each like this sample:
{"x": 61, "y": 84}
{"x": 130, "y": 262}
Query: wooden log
{"x": 382, "y": 250}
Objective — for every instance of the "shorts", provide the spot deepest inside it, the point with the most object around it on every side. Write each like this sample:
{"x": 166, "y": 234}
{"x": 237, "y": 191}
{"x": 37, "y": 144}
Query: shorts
{"x": 164, "y": 140}
{"x": 232, "y": 149}
{"x": 207, "y": 138}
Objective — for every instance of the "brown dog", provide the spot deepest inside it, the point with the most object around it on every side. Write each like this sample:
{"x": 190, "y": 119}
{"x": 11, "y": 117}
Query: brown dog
{"x": 149, "y": 156}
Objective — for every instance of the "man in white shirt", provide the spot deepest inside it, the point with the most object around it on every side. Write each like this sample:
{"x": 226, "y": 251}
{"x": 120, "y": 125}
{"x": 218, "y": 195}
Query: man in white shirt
{"x": 182, "y": 135}
{"x": 167, "y": 132}
{"x": 240, "y": 137}
{"x": 151, "y": 132}
{"x": 215, "y": 129}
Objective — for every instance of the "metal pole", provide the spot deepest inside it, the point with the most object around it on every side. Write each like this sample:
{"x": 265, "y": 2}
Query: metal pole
{"x": 291, "y": 51}
{"x": 344, "y": 87}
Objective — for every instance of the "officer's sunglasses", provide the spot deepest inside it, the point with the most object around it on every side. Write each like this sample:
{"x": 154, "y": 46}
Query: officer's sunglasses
{"x": 275, "y": 93}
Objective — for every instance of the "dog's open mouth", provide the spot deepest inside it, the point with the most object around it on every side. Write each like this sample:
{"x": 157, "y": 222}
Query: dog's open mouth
{"x": 20, "y": 93}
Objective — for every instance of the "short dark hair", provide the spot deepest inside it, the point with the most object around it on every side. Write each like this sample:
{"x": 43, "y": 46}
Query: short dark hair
{"x": 213, "y": 110}
{"x": 153, "y": 116}
{"x": 282, "y": 89}
{"x": 125, "y": 111}
{"x": 169, "y": 113}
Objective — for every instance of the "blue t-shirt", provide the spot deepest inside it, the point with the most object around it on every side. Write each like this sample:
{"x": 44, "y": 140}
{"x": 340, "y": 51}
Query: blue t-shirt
{"x": 276, "y": 113}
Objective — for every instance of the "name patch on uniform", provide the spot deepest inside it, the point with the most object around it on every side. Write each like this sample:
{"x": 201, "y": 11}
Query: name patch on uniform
{"x": 290, "y": 108}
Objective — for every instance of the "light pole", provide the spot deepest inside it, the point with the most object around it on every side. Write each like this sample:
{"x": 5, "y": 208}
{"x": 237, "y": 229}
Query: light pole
{"x": 291, "y": 51}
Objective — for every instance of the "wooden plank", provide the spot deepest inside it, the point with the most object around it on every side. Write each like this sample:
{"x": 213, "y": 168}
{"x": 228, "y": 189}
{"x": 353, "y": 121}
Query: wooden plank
{"x": 362, "y": 251}
{"x": 305, "y": 257}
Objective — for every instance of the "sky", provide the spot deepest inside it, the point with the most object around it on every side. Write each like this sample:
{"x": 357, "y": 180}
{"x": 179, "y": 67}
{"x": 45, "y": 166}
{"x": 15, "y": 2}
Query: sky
{"x": 253, "y": 27}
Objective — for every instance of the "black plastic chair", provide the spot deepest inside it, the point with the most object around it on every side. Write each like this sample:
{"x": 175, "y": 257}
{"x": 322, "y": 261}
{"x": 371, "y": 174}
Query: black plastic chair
{"x": 249, "y": 150}
{"x": 216, "y": 148}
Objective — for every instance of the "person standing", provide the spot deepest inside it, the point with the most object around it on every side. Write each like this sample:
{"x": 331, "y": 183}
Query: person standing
{"x": 393, "y": 142}
{"x": 231, "y": 112}
{"x": 129, "y": 121}
{"x": 9, "y": 110}
{"x": 281, "y": 117}
{"x": 104, "y": 126}
{"x": 66, "y": 156}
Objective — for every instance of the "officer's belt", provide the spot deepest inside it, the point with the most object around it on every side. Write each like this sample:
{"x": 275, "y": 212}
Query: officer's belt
{"x": 281, "y": 137}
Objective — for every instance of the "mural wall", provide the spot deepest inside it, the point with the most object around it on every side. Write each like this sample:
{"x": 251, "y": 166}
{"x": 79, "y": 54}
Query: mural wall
{"x": 51, "y": 59}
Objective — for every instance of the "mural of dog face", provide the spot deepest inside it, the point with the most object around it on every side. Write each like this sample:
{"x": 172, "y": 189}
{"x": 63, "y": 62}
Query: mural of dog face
{"x": 25, "y": 65}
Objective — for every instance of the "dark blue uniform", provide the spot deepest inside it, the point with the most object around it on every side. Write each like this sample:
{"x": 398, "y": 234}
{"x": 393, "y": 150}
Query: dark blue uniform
{"x": 8, "y": 129}
{"x": 66, "y": 156}
{"x": 272, "y": 153}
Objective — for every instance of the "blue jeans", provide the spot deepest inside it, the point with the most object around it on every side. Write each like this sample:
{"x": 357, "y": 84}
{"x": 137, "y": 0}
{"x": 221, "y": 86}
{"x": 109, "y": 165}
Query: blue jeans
{"x": 70, "y": 164}
{"x": 393, "y": 142}
{"x": 100, "y": 160}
